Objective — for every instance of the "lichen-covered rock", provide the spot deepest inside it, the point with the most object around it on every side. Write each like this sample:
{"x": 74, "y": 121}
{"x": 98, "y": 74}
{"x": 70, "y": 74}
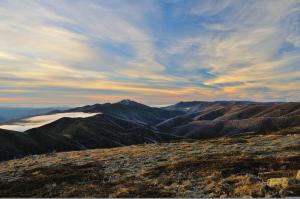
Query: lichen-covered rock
{"x": 279, "y": 182}
{"x": 298, "y": 175}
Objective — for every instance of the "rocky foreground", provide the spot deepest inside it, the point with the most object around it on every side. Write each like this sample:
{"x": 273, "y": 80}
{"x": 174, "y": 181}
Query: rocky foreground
{"x": 251, "y": 165}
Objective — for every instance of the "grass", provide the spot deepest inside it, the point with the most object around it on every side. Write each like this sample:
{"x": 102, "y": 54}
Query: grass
{"x": 227, "y": 167}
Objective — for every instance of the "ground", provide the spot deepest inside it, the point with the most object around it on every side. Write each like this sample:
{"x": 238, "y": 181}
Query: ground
{"x": 223, "y": 167}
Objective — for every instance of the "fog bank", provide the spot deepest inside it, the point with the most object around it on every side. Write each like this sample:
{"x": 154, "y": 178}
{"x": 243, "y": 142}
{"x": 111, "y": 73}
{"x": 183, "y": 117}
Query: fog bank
{"x": 37, "y": 121}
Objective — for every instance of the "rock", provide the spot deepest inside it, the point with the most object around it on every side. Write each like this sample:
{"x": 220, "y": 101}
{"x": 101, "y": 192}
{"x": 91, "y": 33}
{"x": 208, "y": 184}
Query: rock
{"x": 224, "y": 196}
{"x": 212, "y": 195}
{"x": 288, "y": 187}
{"x": 50, "y": 186}
{"x": 279, "y": 182}
{"x": 298, "y": 175}
{"x": 253, "y": 179}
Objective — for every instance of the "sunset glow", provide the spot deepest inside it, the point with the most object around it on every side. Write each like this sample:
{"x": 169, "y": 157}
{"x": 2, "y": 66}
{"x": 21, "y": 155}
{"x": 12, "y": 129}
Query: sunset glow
{"x": 67, "y": 53}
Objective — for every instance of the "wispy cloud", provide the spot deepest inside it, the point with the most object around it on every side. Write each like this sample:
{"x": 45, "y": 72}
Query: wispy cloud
{"x": 152, "y": 51}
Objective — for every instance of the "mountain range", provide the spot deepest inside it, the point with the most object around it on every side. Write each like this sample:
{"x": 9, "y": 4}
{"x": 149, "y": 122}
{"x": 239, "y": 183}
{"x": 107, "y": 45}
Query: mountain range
{"x": 128, "y": 122}
{"x": 8, "y": 114}
{"x": 69, "y": 134}
{"x": 214, "y": 119}
{"x": 131, "y": 110}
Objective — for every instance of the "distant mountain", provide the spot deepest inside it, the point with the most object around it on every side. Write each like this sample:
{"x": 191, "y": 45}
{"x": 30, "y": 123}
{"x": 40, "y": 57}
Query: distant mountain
{"x": 7, "y": 114}
{"x": 130, "y": 110}
{"x": 128, "y": 122}
{"x": 231, "y": 118}
{"x": 66, "y": 134}
{"x": 196, "y": 106}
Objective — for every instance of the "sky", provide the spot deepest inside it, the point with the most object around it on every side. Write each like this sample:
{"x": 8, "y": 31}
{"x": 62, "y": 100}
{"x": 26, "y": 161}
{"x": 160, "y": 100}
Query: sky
{"x": 157, "y": 52}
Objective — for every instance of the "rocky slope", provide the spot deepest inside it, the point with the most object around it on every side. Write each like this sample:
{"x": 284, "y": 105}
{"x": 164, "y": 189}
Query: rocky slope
{"x": 251, "y": 165}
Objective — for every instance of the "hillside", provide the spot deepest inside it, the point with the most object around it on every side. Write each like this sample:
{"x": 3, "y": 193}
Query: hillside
{"x": 225, "y": 167}
{"x": 100, "y": 131}
{"x": 16, "y": 144}
{"x": 126, "y": 123}
{"x": 196, "y": 106}
{"x": 66, "y": 134}
{"x": 231, "y": 118}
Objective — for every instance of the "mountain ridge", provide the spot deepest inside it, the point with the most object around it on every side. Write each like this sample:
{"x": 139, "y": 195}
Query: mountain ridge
{"x": 130, "y": 110}
{"x": 128, "y": 122}
{"x": 233, "y": 118}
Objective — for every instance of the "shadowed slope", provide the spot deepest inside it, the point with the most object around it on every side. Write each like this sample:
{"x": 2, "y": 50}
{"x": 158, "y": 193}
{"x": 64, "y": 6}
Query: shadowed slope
{"x": 100, "y": 131}
{"x": 16, "y": 144}
{"x": 66, "y": 134}
{"x": 221, "y": 119}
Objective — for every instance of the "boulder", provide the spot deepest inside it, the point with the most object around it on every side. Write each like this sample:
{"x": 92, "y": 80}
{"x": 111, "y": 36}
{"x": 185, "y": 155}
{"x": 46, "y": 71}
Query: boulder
{"x": 279, "y": 182}
{"x": 298, "y": 175}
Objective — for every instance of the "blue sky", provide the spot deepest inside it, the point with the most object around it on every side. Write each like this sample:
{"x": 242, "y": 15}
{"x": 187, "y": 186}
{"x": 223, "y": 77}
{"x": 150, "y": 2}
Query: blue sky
{"x": 75, "y": 52}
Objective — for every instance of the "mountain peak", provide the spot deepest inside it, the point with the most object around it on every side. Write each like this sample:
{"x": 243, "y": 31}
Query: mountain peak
{"x": 127, "y": 102}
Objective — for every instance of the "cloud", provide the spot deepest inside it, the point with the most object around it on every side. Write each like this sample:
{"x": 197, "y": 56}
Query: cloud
{"x": 192, "y": 50}
{"x": 37, "y": 121}
{"x": 240, "y": 41}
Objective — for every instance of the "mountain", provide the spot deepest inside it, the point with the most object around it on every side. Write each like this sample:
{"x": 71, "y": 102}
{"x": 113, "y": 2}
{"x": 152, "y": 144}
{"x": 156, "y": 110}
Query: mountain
{"x": 100, "y": 131}
{"x": 255, "y": 152}
{"x": 233, "y": 167}
{"x": 8, "y": 114}
{"x": 130, "y": 110}
{"x": 196, "y": 106}
{"x": 66, "y": 134}
{"x": 231, "y": 118}
{"x": 128, "y": 122}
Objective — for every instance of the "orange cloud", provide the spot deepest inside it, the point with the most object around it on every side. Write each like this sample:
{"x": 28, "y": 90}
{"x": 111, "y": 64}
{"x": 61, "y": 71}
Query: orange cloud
{"x": 11, "y": 99}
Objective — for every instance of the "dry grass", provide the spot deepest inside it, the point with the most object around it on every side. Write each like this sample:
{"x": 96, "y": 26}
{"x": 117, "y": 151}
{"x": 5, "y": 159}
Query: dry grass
{"x": 227, "y": 167}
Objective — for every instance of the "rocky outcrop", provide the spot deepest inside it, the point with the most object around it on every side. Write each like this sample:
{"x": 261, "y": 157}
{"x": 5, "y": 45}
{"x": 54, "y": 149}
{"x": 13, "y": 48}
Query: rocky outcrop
{"x": 279, "y": 182}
